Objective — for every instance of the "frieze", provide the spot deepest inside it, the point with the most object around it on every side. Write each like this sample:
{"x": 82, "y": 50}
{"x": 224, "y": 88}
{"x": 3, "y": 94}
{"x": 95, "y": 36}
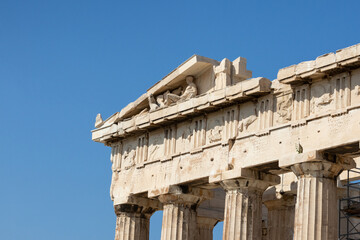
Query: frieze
{"x": 212, "y": 110}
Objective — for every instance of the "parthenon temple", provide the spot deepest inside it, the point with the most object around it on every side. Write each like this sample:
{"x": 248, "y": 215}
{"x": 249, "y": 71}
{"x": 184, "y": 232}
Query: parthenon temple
{"x": 211, "y": 143}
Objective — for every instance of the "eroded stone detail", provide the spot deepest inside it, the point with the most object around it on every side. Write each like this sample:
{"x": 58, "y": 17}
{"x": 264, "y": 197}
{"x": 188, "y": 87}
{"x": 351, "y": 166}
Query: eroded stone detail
{"x": 265, "y": 109}
{"x": 116, "y": 156}
{"x": 246, "y": 122}
{"x": 223, "y": 126}
{"x": 98, "y": 121}
{"x": 322, "y": 97}
{"x": 301, "y": 102}
{"x": 243, "y": 209}
{"x": 284, "y": 108}
{"x": 190, "y": 90}
{"x": 199, "y": 132}
{"x": 132, "y": 222}
{"x": 223, "y": 74}
{"x": 281, "y": 215}
{"x": 154, "y": 153}
{"x": 231, "y": 117}
{"x": 179, "y": 222}
{"x": 175, "y": 96}
{"x": 142, "y": 149}
{"x": 215, "y": 134}
{"x": 342, "y": 90}
{"x": 179, "y": 216}
{"x": 169, "y": 141}
{"x": 152, "y": 102}
{"x": 129, "y": 157}
{"x": 316, "y": 204}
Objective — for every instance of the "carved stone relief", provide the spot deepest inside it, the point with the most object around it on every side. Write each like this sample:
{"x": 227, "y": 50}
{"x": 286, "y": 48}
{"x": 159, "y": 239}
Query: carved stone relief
{"x": 284, "y": 108}
{"x": 152, "y": 102}
{"x": 175, "y": 96}
{"x": 184, "y": 133}
{"x": 190, "y": 90}
{"x": 187, "y": 135}
{"x": 325, "y": 99}
{"x": 245, "y": 123}
{"x": 160, "y": 100}
{"x": 154, "y": 149}
{"x": 321, "y": 97}
{"x": 215, "y": 133}
{"x": 156, "y": 145}
{"x": 129, "y": 157}
{"x": 248, "y": 115}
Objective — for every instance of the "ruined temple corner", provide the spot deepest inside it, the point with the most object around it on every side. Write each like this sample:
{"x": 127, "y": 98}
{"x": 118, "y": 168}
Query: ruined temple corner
{"x": 211, "y": 143}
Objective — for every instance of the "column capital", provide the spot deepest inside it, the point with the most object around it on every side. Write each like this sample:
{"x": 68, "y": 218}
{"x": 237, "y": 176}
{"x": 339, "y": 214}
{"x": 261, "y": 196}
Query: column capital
{"x": 243, "y": 203}
{"x": 243, "y": 209}
{"x": 317, "y": 169}
{"x": 182, "y": 199}
{"x": 243, "y": 184}
{"x": 248, "y": 179}
{"x": 138, "y": 205}
{"x": 132, "y": 222}
{"x": 184, "y": 195}
{"x": 132, "y": 208}
{"x": 245, "y": 173}
{"x": 316, "y": 205}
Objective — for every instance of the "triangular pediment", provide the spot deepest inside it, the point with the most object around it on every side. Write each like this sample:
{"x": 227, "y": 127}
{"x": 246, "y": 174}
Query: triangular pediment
{"x": 205, "y": 71}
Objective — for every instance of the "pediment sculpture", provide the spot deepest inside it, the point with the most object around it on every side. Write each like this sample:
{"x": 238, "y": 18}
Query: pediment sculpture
{"x": 175, "y": 96}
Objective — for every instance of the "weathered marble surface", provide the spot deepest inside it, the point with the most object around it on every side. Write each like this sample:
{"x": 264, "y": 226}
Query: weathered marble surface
{"x": 209, "y": 123}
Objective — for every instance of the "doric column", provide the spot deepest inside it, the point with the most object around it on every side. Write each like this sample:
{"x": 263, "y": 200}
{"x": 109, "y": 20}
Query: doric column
{"x": 205, "y": 227}
{"x": 243, "y": 209}
{"x": 132, "y": 222}
{"x": 280, "y": 218}
{"x": 316, "y": 213}
{"x": 179, "y": 216}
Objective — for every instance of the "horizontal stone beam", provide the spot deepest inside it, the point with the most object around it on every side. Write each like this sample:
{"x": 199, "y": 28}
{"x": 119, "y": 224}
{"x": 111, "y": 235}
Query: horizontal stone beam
{"x": 316, "y": 156}
{"x": 246, "y": 174}
{"x": 180, "y": 190}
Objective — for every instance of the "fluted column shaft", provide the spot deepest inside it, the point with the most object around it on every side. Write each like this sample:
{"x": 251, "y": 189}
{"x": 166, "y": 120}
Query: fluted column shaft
{"x": 205, "y": 227}
{"x": 179, "y": 217}
{"x": 179, "y": 222}
{"x": 316, "y": 212}
{"x": 131, "y": 223}
{"x": 243, "y": 209}
{"x": 132, "y": 226}
{"x": 280, "y": 218}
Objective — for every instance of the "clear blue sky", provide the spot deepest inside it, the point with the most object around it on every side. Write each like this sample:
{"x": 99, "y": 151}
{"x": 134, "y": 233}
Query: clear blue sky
{"x": 62, "y": 62}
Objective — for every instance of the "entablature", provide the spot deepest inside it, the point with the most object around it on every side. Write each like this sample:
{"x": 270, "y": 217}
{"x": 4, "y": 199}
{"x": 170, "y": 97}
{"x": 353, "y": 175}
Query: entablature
{"x": 207, "y": 134}
{"x": 343, "y": 60}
